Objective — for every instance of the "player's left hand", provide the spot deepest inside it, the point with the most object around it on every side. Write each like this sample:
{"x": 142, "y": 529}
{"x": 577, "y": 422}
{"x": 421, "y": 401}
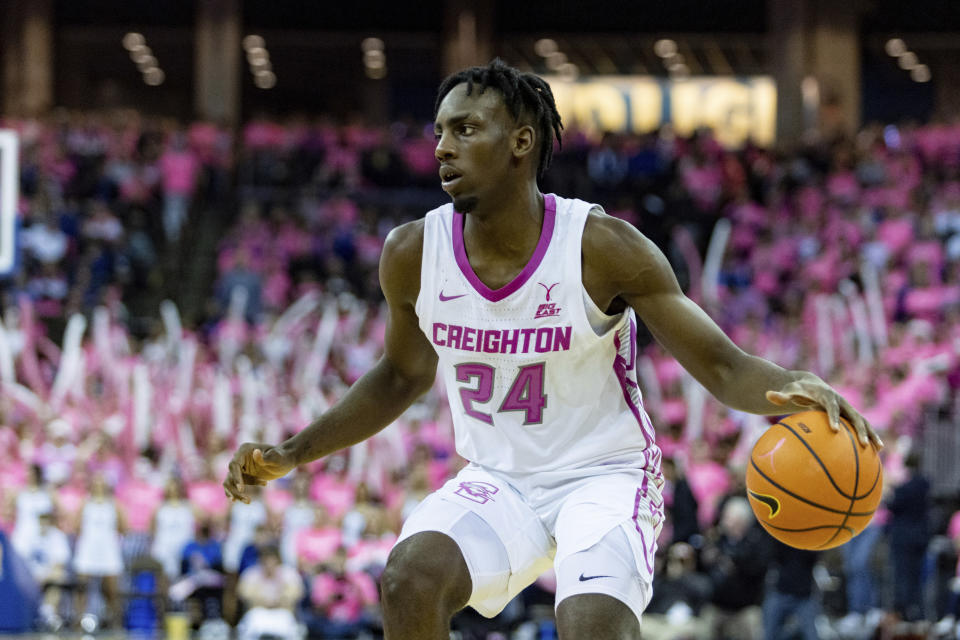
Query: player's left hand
{"x": 814, "y": 393}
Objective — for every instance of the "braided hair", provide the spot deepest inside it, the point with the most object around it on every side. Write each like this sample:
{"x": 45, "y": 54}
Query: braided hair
{"x": 525, "y": 95}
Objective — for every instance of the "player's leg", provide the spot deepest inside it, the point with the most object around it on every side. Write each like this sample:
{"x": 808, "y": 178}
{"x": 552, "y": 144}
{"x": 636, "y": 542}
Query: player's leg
{"x": 606, "y": 532}
{"x": 425, "y": 582}
{"x": 474, "y": 542}
{"x": 596, "y": 615}
{"x": 601, "y": 592}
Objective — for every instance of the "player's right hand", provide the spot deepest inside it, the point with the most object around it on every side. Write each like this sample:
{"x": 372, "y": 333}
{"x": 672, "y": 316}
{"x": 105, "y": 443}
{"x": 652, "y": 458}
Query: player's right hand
{"x": 254, "y": 464}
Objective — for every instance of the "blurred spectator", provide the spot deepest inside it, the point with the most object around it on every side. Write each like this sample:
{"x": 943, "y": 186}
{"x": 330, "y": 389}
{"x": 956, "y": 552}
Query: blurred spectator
{"x": 949, "y": 623}
{"x": 735, "y": 557}
{"x": 48, "y": 557}
{"x": 244, "y": 521}
{"x": 270, "y": 592}
{"x": 790, "y": 597}
{"x": 316, "y": 544}
{"x": 365, "y": 508}
{"x": 859, "y": 572}
{"x": 201, "y": 584}
{"x": 32, "y": 502}
{"x": 243, "y": 281}
{"x": 296, "y": 517}
{"x": 680, "y": 501}
{"x": 57, "y": 455}
{"x": 98, "y": 553}
{"x": 173, "y": 528}
{"x": 262, "y": 538}
{"x": 680, "y": 598}
{"x": 909, "y": 535}
{"x": 341, "y": 601}
{"x": 179, "y": 167}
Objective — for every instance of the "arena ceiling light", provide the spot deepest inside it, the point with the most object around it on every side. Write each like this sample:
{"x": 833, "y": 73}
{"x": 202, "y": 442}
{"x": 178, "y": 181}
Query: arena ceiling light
{"x": 133, "y": 40}
{"x": 895, "y": 47}
{"x": 908, "y": 60}
{"x": 665, "y": 48}
{"x": 258, "y": 59}
{"x": 556, "y": 60}
{"x": 265, "y": 79}
{"x": 253, "y": 41}
{"x": 545, "y": 46}
{"x": 920, "y": 73}
{"x": 680, "y": 72}
{"x": 371, "y": 44}
{"x": 374, "y": 58}
{"x": 154, "y": 76}
{"x": 569, "y": 71}
{"x": 142, "y": 56}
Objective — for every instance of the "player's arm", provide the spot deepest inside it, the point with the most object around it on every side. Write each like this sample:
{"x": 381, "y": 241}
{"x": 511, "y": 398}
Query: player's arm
{"x": 406, "y": 370}
{"x": 620, "y": 262}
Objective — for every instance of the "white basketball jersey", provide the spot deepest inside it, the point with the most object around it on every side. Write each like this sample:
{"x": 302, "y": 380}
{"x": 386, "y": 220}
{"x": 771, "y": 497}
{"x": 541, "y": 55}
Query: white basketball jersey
{"x": 532, "y": 387}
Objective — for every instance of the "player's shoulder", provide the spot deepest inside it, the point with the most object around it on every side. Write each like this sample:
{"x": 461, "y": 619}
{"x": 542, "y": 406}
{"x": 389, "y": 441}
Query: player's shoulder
{"x": 403, "y": 248}
{"x": 606, "y": 235}
{"x": 614, "y": 251}
{"x": 401, "y": 259}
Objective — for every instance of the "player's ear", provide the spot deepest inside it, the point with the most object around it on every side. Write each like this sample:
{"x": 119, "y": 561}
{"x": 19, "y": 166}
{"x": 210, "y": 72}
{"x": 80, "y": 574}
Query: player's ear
{"x": 524, "y": 141}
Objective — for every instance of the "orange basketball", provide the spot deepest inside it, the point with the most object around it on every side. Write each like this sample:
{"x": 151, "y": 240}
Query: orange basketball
{"x": 811, "y": 487}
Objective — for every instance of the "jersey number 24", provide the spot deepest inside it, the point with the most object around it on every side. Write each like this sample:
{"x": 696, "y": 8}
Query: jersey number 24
{"x": 525, "y": 394}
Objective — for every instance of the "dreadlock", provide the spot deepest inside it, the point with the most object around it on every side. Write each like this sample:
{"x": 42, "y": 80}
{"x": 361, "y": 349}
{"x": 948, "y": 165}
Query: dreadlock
{"x": 525, "y": 95}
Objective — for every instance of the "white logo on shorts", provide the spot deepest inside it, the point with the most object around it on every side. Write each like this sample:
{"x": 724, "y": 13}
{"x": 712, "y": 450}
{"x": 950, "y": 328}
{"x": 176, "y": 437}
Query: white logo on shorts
{"x": 479, "y": 492}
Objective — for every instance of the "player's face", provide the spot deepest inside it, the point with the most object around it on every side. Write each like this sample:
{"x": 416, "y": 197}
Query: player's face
{"x": 473, "y": 145}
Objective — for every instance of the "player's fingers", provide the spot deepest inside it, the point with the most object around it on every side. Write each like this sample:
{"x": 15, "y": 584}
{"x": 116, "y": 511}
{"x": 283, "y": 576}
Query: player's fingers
{"x": 860, "y": 424}
{"x": 253, "y": 480}
{"x": 832, "y": 407}
{"x": 777, "y": 397}
{"x": 235, "y": 477}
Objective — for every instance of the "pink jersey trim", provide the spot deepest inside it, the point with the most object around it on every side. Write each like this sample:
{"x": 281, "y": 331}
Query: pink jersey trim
{"x": 648, "y": 552}
{"x": 546, "y": 233}
{"x": 621, "y": 365}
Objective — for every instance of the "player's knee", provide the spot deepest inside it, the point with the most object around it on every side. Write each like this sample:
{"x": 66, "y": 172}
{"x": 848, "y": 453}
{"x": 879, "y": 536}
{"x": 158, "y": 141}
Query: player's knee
{"x": 426, "y": 569}
{"x": 594, "y": 615}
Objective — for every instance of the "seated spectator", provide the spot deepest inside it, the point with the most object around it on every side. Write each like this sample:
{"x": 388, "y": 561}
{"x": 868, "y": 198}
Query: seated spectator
{"x": 680, "y": 597}
{"x": 296, "y": 517}
{"x": 790, "y": 594}
{"x": 48, "y": 558}
{"x": 270, "y": 591}
{"x": 201, "y": 585}
{"x": 251, "y": 553}
{"x": 341, "y": 601}
{"x": 735, "y": 557}
{"x": 317, "y": 544}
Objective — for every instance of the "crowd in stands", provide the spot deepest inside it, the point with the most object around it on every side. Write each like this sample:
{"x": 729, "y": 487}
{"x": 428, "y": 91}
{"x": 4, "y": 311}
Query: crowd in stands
{"x": 842, "y": 258}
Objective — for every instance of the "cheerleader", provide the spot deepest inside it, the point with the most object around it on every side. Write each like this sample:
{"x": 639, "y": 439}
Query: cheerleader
{"x": 173, "y": 528}
{"x": 98, "y": 553}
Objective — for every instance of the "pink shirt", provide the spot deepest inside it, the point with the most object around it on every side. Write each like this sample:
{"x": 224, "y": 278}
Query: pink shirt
{"x": 343, "y": 600}
{"x": 139, "y": 502}
{"x": 208, "y": 497}
{"x": 336, "y": 495}
{"x": 180, "y": 168}
{"x": 314, "y": 546}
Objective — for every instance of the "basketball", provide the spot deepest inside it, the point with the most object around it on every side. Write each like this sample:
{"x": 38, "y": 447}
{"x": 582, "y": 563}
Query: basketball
{"x": 811, "y": 487}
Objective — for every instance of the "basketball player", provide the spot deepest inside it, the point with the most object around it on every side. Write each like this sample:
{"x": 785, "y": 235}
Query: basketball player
{"x": 526, "y": 302}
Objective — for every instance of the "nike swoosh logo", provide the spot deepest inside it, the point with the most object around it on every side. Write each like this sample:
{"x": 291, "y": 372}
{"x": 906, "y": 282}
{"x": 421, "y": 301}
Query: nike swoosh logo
{"x": 772, "y": 503}
{"x": 444, "y": 298}
{"x": 584, "y": 578}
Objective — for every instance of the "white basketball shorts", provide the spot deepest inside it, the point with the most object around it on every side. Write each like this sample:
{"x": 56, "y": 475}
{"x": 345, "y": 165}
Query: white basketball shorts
{"x": 598, "y": 532}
